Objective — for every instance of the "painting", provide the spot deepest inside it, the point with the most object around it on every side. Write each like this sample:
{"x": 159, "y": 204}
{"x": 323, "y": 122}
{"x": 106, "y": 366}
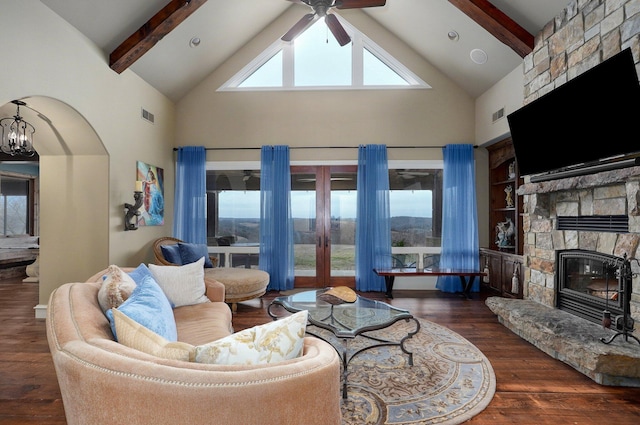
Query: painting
{"x": 150, "y": 181}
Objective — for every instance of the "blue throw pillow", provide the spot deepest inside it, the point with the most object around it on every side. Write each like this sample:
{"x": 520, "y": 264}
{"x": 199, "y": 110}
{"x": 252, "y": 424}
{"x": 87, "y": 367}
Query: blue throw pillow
{"x": 171, "y": 253}
{"x": 191, "y": 252}
{"x": 149, "y": 306}
{"x": 139, "y": 273}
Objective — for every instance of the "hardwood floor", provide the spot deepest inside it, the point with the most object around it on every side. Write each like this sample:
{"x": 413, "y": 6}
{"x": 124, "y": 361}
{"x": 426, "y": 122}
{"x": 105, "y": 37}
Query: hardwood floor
{"x": 532, "y": 388}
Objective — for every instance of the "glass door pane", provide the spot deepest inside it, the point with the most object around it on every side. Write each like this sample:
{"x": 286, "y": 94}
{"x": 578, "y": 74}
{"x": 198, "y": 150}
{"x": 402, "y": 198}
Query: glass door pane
{"x": 342, "y": 225}
{"x": 323, "y": 204}
{"x": 15, "y": 205}
{"x": 303, "y": 212}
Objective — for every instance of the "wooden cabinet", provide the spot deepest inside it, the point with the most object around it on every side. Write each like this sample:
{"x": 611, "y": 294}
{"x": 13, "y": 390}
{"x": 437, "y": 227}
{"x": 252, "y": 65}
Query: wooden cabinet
{"x": 502, "y": 268}
{"x": 503, "y": 255}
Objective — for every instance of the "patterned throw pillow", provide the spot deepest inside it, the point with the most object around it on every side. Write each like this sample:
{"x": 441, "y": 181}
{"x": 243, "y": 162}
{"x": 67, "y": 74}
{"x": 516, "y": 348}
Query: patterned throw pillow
{"x": 183, "y": 285}
{"x": 269, "y": 343}
{"x": 116, "y": 287}
{"x": 134, "y": 335}
{"x": 149, "y": 306}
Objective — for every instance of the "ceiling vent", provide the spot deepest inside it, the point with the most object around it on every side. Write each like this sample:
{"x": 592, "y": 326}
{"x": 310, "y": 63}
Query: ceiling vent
{"x": 595, "y": 223}
{"x": 498, "y": 114}
{"x": 147, "y": 116}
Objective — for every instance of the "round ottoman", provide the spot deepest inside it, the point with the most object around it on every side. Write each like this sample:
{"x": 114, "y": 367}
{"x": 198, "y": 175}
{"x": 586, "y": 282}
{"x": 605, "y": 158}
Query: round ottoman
{"x": 240, "y": 284}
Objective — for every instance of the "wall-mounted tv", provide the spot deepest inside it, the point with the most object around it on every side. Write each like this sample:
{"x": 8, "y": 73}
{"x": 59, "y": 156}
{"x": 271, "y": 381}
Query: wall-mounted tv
{"x": 590, "y": 118}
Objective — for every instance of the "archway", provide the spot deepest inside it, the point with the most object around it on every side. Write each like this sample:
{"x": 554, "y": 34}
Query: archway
{"x": 74, "y": 193}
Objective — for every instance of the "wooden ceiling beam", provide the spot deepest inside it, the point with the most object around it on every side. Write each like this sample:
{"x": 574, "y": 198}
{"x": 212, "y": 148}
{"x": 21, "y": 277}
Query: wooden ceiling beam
{"x": 161, "y": 24}
{"x": 498, "y": 24}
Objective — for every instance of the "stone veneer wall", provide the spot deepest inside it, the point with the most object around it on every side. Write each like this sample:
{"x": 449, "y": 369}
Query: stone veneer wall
{"x": 614, "y": 192}
{"x": 583, "y": 35}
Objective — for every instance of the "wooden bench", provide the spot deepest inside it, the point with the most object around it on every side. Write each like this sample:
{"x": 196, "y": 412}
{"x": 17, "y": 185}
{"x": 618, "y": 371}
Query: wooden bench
{"x": 467, "y": 277}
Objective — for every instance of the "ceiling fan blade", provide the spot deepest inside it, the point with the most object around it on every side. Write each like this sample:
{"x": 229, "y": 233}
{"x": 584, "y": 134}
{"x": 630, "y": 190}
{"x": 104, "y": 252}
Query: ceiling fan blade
{"x": 357, "y": 4}
{"x": 337, "y": 29}
{"x": 299, "y": 27}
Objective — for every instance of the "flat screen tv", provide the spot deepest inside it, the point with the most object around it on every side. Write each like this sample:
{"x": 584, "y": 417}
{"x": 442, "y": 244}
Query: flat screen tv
{"x": 584, "y": 122}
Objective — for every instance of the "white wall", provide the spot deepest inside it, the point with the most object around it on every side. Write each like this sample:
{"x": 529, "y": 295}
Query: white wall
{"x": 433, "y": 117}
{"x": 82, "y": 195}
{"x": 508, "y": 93}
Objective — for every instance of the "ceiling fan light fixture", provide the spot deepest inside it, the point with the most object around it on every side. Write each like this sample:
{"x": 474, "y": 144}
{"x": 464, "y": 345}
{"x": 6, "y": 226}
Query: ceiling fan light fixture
{"x": 337, "y": 30}
{"x": 321, "y": 9}
{"x": 17, "y": 134}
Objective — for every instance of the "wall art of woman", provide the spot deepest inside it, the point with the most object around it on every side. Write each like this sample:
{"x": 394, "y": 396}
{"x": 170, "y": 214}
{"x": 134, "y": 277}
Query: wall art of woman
{"x": 153, "y": 195}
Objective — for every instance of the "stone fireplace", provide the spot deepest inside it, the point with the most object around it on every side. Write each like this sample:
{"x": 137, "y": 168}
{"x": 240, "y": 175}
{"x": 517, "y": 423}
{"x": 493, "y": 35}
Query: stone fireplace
{"x": 606, "y": 194}
{"x": 581, "y": 342}
{"x": 586, "y": 33}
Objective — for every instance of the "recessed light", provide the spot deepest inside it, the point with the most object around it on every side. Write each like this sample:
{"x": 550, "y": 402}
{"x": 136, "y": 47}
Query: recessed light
{"x": 453, "y": 35}
{"x": 478, "y": 56}
{"x": 194, "y": 42}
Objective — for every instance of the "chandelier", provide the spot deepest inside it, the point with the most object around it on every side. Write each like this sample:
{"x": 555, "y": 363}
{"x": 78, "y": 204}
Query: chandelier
{"x": 17, "y": 134}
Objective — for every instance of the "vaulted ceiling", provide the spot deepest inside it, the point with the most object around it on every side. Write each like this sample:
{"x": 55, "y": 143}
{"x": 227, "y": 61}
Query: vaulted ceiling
{"x": 151, "y": 37}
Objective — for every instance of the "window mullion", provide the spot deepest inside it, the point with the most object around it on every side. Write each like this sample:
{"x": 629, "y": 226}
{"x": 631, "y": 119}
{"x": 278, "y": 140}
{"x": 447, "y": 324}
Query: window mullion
{"x": 357, "y": 64}
{"x": 288, "y": 71}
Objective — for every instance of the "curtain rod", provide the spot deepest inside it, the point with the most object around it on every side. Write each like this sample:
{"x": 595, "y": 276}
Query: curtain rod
{"x": 326, "y": 147}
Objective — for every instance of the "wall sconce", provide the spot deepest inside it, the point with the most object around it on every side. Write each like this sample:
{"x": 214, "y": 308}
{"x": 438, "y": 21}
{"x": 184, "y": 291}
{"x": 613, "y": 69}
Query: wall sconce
{"x": 131, "y": 211}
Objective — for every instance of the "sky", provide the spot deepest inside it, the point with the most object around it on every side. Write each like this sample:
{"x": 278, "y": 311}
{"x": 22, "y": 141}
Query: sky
{"x": 246, "y": 204}
{"x": 320, "y": 61}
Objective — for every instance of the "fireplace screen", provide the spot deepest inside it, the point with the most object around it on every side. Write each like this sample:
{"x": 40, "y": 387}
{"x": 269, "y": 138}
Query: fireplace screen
{"x": 589, "y": 283}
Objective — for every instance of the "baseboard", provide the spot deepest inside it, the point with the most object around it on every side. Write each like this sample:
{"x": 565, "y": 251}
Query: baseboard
{"x": 41, "y": 311}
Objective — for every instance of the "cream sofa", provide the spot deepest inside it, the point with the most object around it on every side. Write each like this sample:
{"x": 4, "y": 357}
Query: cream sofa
{"x": 104, "y": 382}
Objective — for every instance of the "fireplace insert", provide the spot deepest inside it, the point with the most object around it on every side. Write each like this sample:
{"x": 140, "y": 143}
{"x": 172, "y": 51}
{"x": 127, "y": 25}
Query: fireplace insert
{"x": 590, "y": 284}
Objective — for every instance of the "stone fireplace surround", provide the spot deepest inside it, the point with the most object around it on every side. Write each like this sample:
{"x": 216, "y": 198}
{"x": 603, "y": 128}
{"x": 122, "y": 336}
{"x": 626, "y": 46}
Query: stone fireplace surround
{"x": 614, "y": 192}
{"x": 535, "y": 318}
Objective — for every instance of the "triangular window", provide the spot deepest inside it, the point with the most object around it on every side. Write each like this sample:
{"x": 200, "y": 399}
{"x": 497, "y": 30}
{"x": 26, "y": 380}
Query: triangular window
{"x": 314, "y": 60}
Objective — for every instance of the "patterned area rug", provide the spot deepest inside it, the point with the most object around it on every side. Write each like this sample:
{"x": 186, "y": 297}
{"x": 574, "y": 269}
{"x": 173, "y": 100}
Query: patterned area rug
{"x": 450, "y": 380}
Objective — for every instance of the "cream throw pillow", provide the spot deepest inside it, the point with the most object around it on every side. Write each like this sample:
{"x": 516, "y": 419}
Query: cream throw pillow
{"x": 134, "y": 335}
{"x": 183, "y": 285}
{"x": 116, "y": 287}
{"x": 269, "y": 343}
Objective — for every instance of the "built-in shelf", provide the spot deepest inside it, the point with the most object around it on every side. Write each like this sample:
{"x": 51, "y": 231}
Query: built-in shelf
{"x": 502, "y": 261}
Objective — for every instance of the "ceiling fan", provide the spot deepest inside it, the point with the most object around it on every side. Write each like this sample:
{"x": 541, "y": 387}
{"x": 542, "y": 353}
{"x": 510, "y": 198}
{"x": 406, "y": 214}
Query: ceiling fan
{"x": 321, "y": 9}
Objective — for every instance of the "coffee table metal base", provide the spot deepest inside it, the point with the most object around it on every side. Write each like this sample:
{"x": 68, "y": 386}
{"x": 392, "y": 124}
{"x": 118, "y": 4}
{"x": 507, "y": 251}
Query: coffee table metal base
{"x": 343, "y": 349}
{"x": 347, "y": 321}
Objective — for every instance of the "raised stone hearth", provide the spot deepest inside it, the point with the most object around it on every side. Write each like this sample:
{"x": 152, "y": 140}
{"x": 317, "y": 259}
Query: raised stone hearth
{"x": 573, "y": 340}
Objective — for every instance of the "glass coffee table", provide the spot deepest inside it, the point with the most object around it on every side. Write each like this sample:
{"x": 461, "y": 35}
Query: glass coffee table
{"x": 347, "y": 321}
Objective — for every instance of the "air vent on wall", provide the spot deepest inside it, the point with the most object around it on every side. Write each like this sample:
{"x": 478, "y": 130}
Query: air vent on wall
{"x": 595, "y": 223}
{"x": 498, "y": 114}
{"x": 148, "y": 116}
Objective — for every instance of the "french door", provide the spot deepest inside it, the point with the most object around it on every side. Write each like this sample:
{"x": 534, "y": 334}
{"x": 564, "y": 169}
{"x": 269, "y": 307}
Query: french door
{"x": 323, "y": 204}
